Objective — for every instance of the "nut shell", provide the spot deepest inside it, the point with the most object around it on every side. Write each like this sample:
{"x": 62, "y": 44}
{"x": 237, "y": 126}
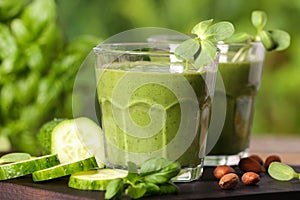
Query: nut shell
{"x": 250, "y": 165}
{"x": 250, "y": 178}
{"x": 270, "y": 159}
{"x": 257, "y": 158}
{"x": 229, "y": 181}
{"x": 221, "y": 170}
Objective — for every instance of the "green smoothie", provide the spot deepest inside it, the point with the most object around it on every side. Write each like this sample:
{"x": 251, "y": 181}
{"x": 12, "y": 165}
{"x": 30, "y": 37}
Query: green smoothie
{"x": 141, "y": 113}
{"x": 241, "y": 81}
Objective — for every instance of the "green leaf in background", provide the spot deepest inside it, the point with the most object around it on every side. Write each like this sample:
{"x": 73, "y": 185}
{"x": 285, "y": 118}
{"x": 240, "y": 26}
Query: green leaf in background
{"x": 10, "y": 8}
{"x": 259, "y": 19}
{"x": 281, "y": 171}
{"x": 20, "y": 31}
{"x": 238, "y": 38}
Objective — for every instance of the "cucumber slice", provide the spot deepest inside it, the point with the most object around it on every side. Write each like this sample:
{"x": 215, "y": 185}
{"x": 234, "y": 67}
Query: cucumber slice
{"x": 25, "y": 167}
{"x": 77, "y": 139}
{"x": 95, "y": 179}
{"x": 44, "y": 136}
{"x": 64, "y": 169}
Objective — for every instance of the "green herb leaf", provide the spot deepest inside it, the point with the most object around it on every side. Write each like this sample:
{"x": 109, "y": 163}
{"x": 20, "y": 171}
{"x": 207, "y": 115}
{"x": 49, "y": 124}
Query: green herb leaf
{"x": 152, "y": 188}
{"x": 168, "y": 188}
{"x": 187, "y": 49}
{"x": 200, "y": 28}
{"x": 219, "y": 31}
{"x": 14, "y": 157}
{"x": 114, "y": 188}
{"x": 267, "y": 40}
{"x": 238, "y": 38}
{"x": 259, "y": 19}
{"x": 207, "y": 54}
{"x": 281, "y": 172}
{"x": 281, "y": 38}
{"x": 136, "y": 191}
{"x": 164, "y": 175}
{"x": 153, "y": 165}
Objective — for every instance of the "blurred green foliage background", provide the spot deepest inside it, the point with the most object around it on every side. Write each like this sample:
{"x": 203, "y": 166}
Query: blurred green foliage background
{"x": 278, "y": 101}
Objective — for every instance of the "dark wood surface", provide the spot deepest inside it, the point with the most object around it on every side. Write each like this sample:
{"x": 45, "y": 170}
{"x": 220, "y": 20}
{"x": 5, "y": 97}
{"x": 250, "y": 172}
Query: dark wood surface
{"x": 205, "y": 188}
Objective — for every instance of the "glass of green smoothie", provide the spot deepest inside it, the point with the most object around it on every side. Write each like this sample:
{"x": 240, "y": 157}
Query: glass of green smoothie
{"x": 240, "y": 66}
{"x": 153, "y": 104}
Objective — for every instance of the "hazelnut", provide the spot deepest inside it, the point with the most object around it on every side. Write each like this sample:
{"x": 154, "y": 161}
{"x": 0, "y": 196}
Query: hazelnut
{"x": 229, "y": 181}
{"x": 257, "y": 158}
{"x": 250, "y": 165}
{"x": 222, "y": 170}
{"x": 250, "y": 178}
{"x": 270, "y": 159}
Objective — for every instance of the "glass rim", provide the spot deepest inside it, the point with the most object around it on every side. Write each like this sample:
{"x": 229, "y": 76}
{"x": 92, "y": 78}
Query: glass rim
{"x": 239, "y": 44}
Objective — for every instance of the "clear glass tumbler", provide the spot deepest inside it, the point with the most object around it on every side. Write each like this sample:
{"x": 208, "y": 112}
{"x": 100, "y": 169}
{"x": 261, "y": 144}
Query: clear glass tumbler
{"x": 240, "y": 66}
{"x": 153, "y": 104}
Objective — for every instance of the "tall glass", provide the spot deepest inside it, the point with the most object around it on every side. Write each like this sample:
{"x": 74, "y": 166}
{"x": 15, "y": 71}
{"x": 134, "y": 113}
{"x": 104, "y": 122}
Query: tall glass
{"x": 153, "y": 105}
{"x": 241, "y": 67}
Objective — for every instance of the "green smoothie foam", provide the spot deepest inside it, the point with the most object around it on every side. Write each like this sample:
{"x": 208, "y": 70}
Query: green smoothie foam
{"x": 241, "y": 81}
{"x": 147, "y": 104}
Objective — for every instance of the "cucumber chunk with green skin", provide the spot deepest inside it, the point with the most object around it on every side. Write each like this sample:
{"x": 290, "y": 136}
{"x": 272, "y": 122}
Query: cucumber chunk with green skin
{"x": 44, "y": 135}
{"x": 95, "y": 179}
{"x": 77, "y": 139}
{"x": 25, "y": 167}
{"x": 64, "y": 169}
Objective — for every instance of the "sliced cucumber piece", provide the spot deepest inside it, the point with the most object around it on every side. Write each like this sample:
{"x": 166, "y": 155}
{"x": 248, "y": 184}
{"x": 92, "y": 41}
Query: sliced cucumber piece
{"x": 95, "y": 179}
{"x": 78, "y": 139}
{"x": 45, "y": 134}
{"x": 64, "y": 169}
{"x": 25, "y": 167}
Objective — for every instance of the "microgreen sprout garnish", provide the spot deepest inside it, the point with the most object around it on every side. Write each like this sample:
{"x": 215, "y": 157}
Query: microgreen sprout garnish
{"x": 274, "y": 39}
{"x": 282, "y": 172}
{"x": 154, "y": 178}
{"x": 202, "y": 47}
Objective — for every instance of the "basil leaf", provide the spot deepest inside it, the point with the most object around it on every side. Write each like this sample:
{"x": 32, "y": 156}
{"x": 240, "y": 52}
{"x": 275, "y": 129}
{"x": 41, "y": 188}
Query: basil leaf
{"x": 200, "y": 28}
{"x": 164, "y": 175}
{"x": 187, "y": 49}
{"x": 168, "y": 188}
{"x": 219, "y": 31}
{"x": 14, "y": 157}
{"x": 281, "y": 172}
{"x": 207, "y": 54}
{"x": 10, "y": 8}
{"x": 20, "y": 32}
{"x": 136, "y": 191}
{"x": 281, "y": 38}
{"x": 153, "y": 165}
{"x": 152, "y": 188}
{"x": 259, "y": 19}
{"x": 114, "y": 188}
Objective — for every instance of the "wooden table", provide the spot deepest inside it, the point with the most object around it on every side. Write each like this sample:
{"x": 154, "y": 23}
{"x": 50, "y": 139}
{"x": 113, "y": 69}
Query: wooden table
{"x": 206, "y": 188}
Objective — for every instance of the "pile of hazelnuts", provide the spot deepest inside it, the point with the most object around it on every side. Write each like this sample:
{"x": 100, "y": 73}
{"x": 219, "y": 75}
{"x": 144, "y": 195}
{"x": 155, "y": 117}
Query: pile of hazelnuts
{"x": 251, "y": 167}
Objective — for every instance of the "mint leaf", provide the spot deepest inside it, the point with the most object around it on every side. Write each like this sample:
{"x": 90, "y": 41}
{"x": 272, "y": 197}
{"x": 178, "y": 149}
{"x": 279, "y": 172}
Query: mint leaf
{"x": 187, "y": 49}
{"x": 168, "y": 188}
{"x": 219, "y": 31}
{"x": 259, "y": 19}
{"x": 153, "y": 165}
{"x": 200, "y": 28}
{"x": 281, "y": 38}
